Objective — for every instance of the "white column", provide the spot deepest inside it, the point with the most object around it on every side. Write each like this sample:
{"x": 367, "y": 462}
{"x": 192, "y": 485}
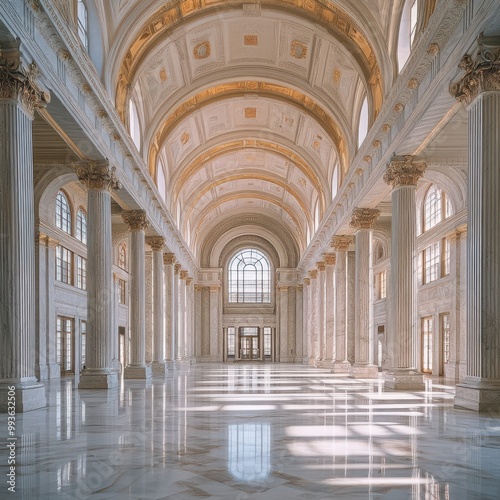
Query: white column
{"x": 314, "y": 329}
{"x": 341, "y": 244}
{"x": 181, "y": 355}
{"x": 157, "y": 244}
{"x": 331, "y": 345}
{"x": 189, "y": 319}
{"x": 215, "y": 355}
{"x": 283, "y": 323}
{"x": 99, "y": 372}
{"x": 137, "y": 368}
{"x": 170, "y": 352}
{"x": 177, "y": 269}
{"x": 148, "y": 287}
{"x": 351, "y": 305}
{"x": 480, "y": 90}
{"x": 299, "y": 327}
{"x": 403, "y": 174}
{"x": 306, "y": 314}
{"x": 363, "y": 220}
{"x": 321, "y": 313}
{"x": 19, "y": 96}
{"x": 45, "y": 316}
{"x": 198, "y": 327}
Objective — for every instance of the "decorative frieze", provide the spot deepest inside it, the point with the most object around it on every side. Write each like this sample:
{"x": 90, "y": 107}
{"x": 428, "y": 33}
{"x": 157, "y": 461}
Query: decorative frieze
{"x": 482, "y": 73}
{"x": 404, "y": 171}
{"x": 364, "y": 218}
{"x": 20, "y": 83}
{"x": 96, "y": 174}
{"x": 157, "y": 243}
{"x": 136, "y": 220}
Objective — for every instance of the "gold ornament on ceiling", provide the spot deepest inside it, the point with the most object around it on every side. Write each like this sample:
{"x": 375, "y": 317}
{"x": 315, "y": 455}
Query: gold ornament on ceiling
{"x": 298, "y": 50}
{"x": 251, "y": 40}
{"x": 202, "y": 50}
{"x": 184, "y": 138}
{"x": 250, "y": 112}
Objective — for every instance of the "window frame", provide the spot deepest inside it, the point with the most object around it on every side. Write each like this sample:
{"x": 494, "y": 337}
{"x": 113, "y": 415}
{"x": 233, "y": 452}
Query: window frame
{"x": 63, "y": 213}
{"x": 82, "y": 23}
{"x": 64, "y": 255}
{"x": 81, "y": 225}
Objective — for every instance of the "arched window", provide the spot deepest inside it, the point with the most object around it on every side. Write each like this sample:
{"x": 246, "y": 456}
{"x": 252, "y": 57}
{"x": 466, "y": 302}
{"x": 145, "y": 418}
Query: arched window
{"x": 335, "y": 181}
{"x": 81, "y": 226}
{"x": 122, "y": 256}
{"x": 363, "y": 122}
{"x": 83, "y": 23}
{"x": 437, "y": 207}
{"x": 134, "y": 127}
{"x": 407, "y": 31}
{"x": 160, "y": 180}
{"x": 316, "y": 216}
{"x": 249, "y": 277}
{"x": 63, "y": 213}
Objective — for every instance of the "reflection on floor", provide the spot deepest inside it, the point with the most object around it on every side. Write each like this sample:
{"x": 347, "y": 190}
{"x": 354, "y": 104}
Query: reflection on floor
{"x": 240, "y": 432}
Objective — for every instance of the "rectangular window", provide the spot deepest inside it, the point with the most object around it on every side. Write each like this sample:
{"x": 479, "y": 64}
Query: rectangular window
{"x": 427, "y": 344}
{"x": 81, "y": 273}
{"x": 64, "y": 343}
{"x": 64, "y": 265}
{"x": 445, "y": 327}
{"x": 267, "y": 341}
{"x": 83, "y": 332}
{"x": 431, "y": 263}
{"x": 446, "y": 265}
{"x": 381, "y": 285}
{"x": 231, "y": 341}
{"x": 122, "y": 284}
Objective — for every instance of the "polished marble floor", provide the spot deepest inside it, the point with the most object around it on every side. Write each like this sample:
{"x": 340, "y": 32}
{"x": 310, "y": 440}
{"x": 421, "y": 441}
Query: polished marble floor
{"x": 262, "y": 431}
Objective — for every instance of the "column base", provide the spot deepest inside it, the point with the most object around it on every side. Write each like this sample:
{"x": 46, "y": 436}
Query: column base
{"x": 42, "y": 372}
{"x": 29, "y": 395}
{"x": 404, "y": 380}
{"x": 159, "y": 368}
{"x": 98, "y": 378}
{"x": 324, "y": 363}
{"x": 170, "y": 365}
{"x": 363, "y": 371}
{"x": 137, "y": 372}
{"x": 480, "y": 397}
{"x": 341, "y": 367}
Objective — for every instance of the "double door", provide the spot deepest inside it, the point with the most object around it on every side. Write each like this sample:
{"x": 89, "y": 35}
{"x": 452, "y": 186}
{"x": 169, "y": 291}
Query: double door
{"x": 249, "y": 347}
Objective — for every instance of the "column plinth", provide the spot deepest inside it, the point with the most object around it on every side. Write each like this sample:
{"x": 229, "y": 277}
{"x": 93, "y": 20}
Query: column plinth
{"x": 479, "y": 90}
{"x": 363, "y": 219}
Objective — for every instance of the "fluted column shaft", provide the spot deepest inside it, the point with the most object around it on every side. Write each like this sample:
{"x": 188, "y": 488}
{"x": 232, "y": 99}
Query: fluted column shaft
{"x": 306, "y": 314}
{"x": 214, "y": 322}
{"x": 479, "y": 89}
{"x": 157, "y": 244}
{"x": 321, "y": 311}
{"x": 331, "y": 345}
{"x": 99, "y": 372}
{"x": 176, "y": 301}
{"x": 137, "y": 367}
{"x": 363, "y": 220}
{"x": 341, "y": 244}
{"x": 403, "y": 174}
{"x": 299, "y": 328}
{"x": 181, "y": 355}
{"x": 17, "y": 242}
{"x": 314, "y": 330}
{"x": 283, "y": 317}
{"x": 170, "y": 349}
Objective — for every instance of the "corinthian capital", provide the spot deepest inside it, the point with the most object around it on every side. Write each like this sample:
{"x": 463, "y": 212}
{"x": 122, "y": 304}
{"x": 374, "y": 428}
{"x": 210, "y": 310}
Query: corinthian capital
{"x": 364, "y": 218}
{"x": 404, "y": 171}
{"x": 157, "y": 243}
{"x": 482, "y": 72}
{"x": 97, "y": 174}
{"x": 136, "y": 219}
{"x": 20, "y": 83}
{"x": 341, "y": 242}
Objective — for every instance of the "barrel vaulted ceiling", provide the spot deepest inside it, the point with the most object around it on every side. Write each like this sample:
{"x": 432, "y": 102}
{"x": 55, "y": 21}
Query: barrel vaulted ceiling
{"x": 249, "y": 106}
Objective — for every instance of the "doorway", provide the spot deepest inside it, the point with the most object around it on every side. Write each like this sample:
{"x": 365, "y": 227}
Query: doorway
{"x": 249, "y": 348}
{"x": 64, "y": 344}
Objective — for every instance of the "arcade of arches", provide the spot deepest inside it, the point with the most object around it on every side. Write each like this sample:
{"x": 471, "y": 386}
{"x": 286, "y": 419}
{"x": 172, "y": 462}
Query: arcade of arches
{"x": 305, "y": 182}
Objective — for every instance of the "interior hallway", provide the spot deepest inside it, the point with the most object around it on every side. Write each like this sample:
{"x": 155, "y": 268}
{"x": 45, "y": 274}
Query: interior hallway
{"x": 254, "y": 431}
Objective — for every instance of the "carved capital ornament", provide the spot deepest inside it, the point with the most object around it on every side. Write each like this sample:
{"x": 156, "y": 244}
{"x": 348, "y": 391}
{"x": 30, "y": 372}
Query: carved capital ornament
{"x": 364, "y": 218}
{"x": 96, "y": 174}
{"x": 330, "y": 259}
{"x": 136, "y": 220}
{"x": 404, "y": 171}
{"x": 482, "y": 72}
{"x": 20, "y": 83}
{"x": 157, "y": 243}
{"x": 341, "y": 243}
{"x": 168, "y": 259}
